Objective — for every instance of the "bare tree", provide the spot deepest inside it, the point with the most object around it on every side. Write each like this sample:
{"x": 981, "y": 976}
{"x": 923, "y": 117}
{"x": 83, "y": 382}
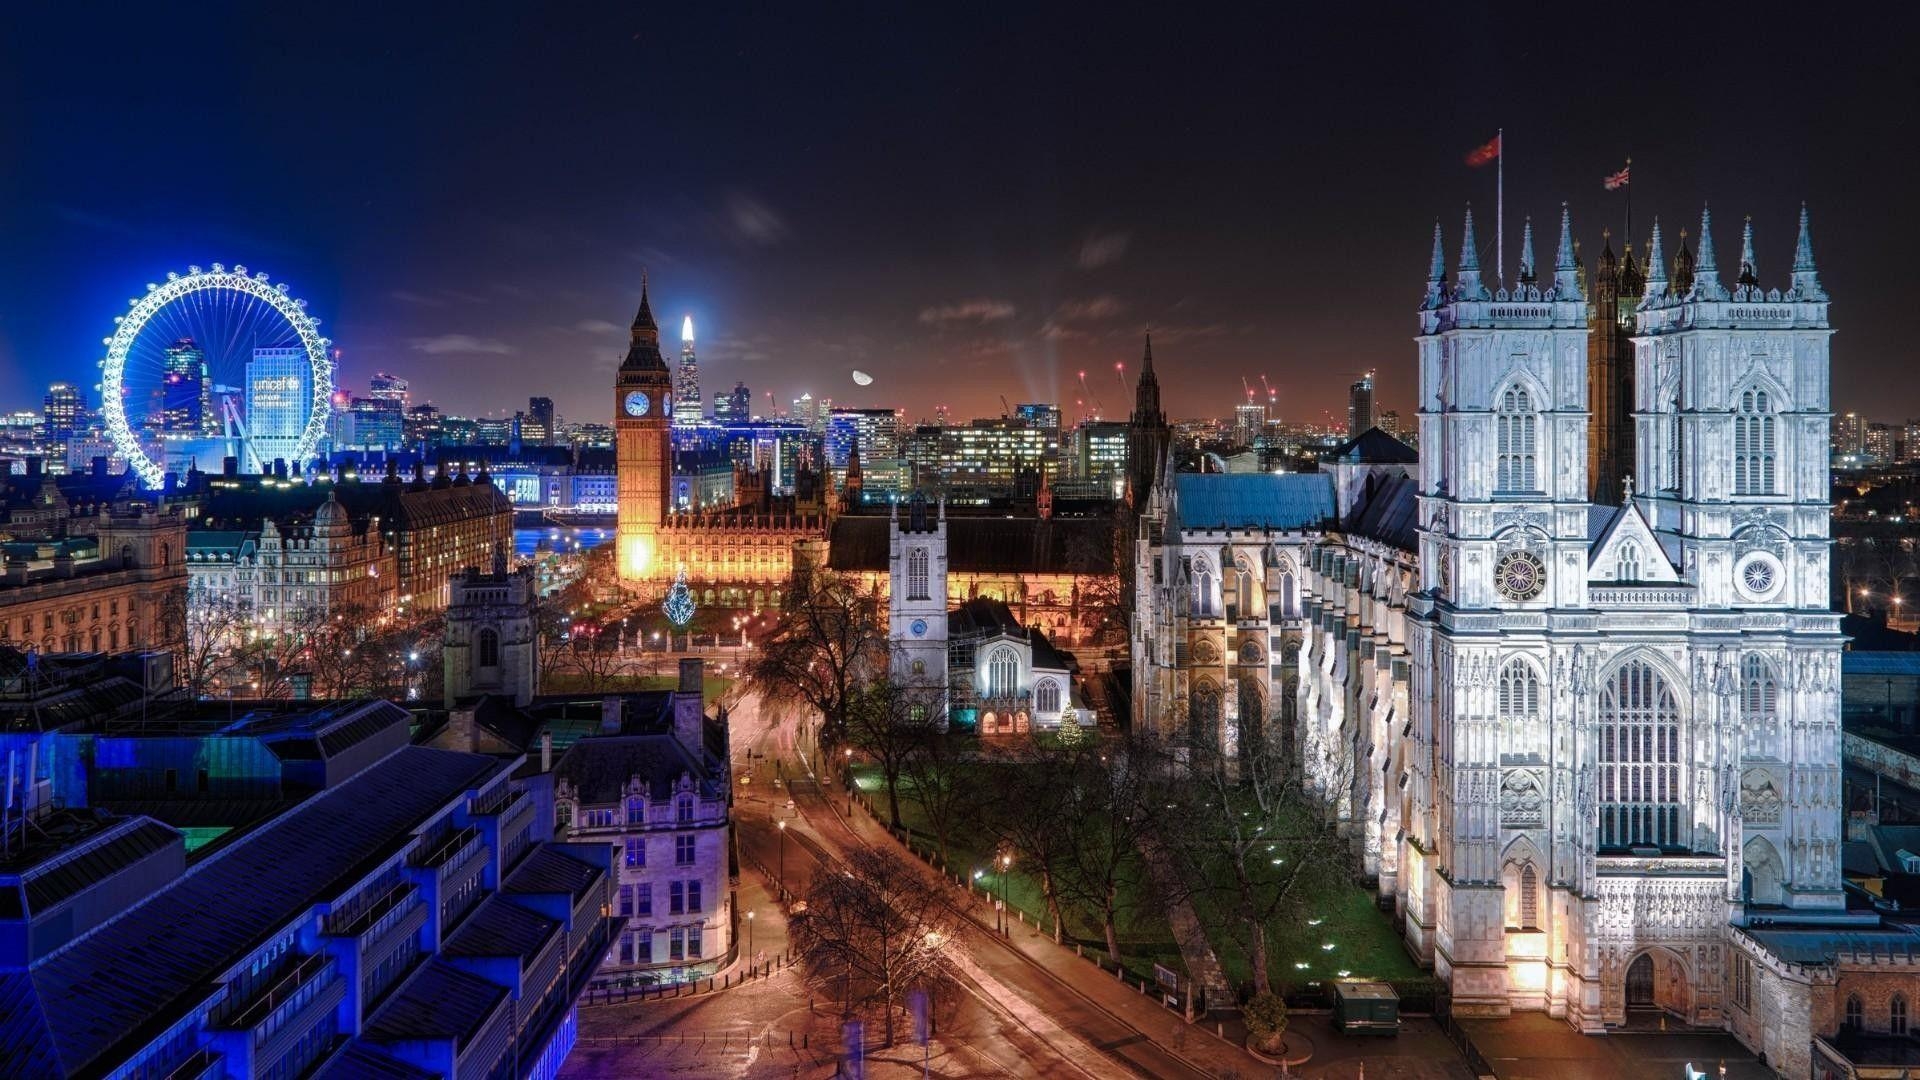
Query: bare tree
{"x": 947, "y": 784}
{"x": 206, "y": 630}
{"x": 1249, "y": 828}
{"x": 875, "y": 932}
{"x": 892, "y": 723}
{"x": 1114, "y": 796}
{"x": 1033, "y": 801}
{"x": 829, "y": 643}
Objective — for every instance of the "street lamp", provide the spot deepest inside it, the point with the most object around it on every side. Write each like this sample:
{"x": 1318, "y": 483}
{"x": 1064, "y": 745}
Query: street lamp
{"x": 783, "y": 860}
{"x": 749, "y": 937}
{"x": 1006, "y": 865}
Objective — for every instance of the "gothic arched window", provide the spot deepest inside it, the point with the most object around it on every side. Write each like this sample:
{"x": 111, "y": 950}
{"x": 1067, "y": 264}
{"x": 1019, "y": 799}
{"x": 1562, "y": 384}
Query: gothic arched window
{"x": 1205, "y": 709}
{"x": 917, "y": 574}
{"x": 1520, "y": 723}
{"x": 1629, "y": 566}
{"x": 487, "y": 645}
{"x": 1759, "y": 702}
{"x": 1003, "y": 673}
{"x": 1243, "y": 587}
{"x": 1202, "y": 587}
{"x": 1529, "y": 897}
{"x": 1897, "y": 1015}
{"x": 1289, "y": 603}
{"x": 1516, "y": 430}
{"x": 1856, "y": 1013}
{"x": 1753, "y": 444}
{"x": 1046, "y": 696}
{"x": 1640, "y": 792}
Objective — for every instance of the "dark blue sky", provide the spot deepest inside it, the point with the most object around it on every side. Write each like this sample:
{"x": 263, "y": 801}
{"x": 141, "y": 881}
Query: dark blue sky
{"x": 963, "y": 201}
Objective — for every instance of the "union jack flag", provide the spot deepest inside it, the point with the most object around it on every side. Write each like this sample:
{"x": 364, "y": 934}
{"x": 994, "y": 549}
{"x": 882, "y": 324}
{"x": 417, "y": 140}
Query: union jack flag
{"x": 1617, "y": 180}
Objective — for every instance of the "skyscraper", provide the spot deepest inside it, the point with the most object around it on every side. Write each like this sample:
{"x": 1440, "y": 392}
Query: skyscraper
{"x": 539, "y": 428}
{"x": 1360, "y": 405}
{"x": 65, "y": 415}
{"x": 187, "y": 396}
{"x": 686, "y": 384}
{"x": 279, "y": 394}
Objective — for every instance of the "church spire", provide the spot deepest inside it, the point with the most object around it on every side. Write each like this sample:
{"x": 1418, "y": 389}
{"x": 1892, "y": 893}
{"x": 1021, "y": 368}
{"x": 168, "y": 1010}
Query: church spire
{"x": 1706, "y": 265}
{"x": 1747, "y": 276}
{"x": 1656, "y": 267}
{"x": 1682, "y": 268}
{"x": 1566, "y": 263}
{"x": 1527, "y": 276}
{"x": 1806, "y": 279}
{"x": 1436, "y": 272}
{"x": 1470, "y": 285}
{"x": 643, "y": 324}
{"x": 644, "y": 351}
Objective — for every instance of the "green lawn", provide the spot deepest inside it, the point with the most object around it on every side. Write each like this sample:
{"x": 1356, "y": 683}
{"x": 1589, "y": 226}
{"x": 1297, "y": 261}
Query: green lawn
{"x": 1364, "y": 941}
{"x": 1146, "y": 938}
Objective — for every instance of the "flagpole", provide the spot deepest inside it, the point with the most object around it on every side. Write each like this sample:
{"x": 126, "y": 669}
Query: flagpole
{"x": 1629, "y": 186}
{"x": 1500, "y": 205}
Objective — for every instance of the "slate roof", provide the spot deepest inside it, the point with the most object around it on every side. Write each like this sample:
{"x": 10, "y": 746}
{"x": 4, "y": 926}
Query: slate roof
{"x": 1817, "y": 946}
{"x": 551, "y": 870}
{"x": 1389, "y": 512}
{"x": 990, "y": 545}
{"x": 128, "y": 980}
{"x": 599, "y": 767}
{"x": 360, "y": 1061}
{"x": 984, "y": 616}
{"x": 1373, "y": 447}
{"x": 1879, "y": 663}
{"x": 439, "y": 1002}
{"x": 1048, "y": 658}
{"x": 94, "y": 859}
{"x": 1254, "y": 500}
{"x": 500, "y": 927}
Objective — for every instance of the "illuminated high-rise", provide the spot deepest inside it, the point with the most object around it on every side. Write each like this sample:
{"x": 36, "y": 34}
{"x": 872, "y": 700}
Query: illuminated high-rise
{"x": 186, "y": 394}
{"x": 1360, "y": 405}
{"x": 65, "y": 414}
{"x": 686, "y": 383}
{"x": 279, "y": 394}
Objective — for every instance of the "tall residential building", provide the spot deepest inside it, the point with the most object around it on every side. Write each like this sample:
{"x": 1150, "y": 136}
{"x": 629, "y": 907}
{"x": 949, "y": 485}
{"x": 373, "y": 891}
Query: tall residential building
{"x": 1617, "y": 283}
{"x": 187, "y": 405}
{"x": 1360, "y": 406}
{"x": 279, "y": 395}
{"x": 1910, "y": 442}
{"x": 1878, "y": 445}
{"x": 538, "y": 428}
{"x": 65, "y": 412}
{"x": 686, "y": 382}
{"x": 1249, "y": 422}
{"x": 1849, "y": 437}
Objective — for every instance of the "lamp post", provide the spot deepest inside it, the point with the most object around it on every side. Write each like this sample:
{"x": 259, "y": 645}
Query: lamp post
{"x": 1006, "y": 864}
{"x": 783, "y": 860}
{"x": 750, "y": 952}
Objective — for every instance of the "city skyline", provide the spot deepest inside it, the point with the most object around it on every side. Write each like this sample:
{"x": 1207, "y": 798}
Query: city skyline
{"x": 933, "y": 247}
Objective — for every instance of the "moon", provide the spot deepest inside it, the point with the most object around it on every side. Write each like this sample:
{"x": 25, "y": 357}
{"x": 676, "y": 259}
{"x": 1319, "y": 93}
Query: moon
{"x": 861, "y": 378}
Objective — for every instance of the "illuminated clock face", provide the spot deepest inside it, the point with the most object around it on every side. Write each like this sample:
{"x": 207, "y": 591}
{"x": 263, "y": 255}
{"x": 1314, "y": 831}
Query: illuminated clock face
{"x": 637, "y": 403}
{"x": 919, "y": 627}
{"x": 1520, "y": 575}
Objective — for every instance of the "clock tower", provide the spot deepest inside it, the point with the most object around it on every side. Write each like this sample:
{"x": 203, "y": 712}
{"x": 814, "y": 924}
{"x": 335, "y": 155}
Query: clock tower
{"x": 642, "y": 414}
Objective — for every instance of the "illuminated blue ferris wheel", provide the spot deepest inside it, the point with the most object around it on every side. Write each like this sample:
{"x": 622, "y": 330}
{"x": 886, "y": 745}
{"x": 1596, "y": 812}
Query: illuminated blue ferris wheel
{"x": 211, "y": 364}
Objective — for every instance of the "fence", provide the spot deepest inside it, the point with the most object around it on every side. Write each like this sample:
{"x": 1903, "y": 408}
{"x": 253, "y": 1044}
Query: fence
{"x": 1443, "y": 1015}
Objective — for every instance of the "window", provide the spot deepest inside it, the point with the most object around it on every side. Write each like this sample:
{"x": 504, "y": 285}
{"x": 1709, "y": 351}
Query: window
{"x": 1202, "y": 587}
{"x": 693, "y": 942}
{"x": 626, "y": 899}
{"x": 676, "y": 944}
{"x": 1753, "y": 444}
{"x": 1003, "y": 673}
{"x": 676, "y": 898}
{"x": 1515, "y": 428}
{"x": 1856, "y": 1013}
{"x": 636, "y": 810}
{"x": 1897, "y": 1015}
{"x": 1742, "y": 980}
{"x": 683, "y": 850}
{"x": 1205, "y": 707}
{"x": 636, "y": 850}
{"x": 1529, "y": 897}
{"x": 1629, "y": 567}
{"x": 1046, "y": 696}
{"x": 643, "y": 899}
{"x": 1289, "y": 599}
{"x": 626, "y": 946}
{"x": 1521, "y": 728}
{"x": 563, "y": 813}
{"x": 683, "y": 809}
{"x": 1759, "y": 704}
{"x": 1676, "y": 448}
{"x": 917, "y": 574}
{"x": 1250, "y": 652}
{"x": 1243, "y": 588}
{"x": 1639, "y": 760}
{"x": 488, "y": 646}
{"x": 693, "y": 897}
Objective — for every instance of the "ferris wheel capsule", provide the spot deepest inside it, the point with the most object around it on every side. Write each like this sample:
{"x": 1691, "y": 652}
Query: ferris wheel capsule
{"x": 193, "y": 271}
{"x": 219, "y": 268}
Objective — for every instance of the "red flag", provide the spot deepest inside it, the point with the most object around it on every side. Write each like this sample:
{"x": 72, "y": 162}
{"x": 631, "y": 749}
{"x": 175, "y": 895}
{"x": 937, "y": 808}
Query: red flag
{"x": 1484, "y": 155}
{"x": 1616, "y": 181}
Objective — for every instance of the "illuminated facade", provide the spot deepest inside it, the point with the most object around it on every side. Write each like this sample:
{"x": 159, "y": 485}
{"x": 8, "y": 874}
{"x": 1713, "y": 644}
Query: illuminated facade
{"x": 686, "y": 382}
{"x": 100, "y": 584}
{"x": 643, "y": 413}
{"x": 279, "y": 395}
{"x": 1587, "y": 750}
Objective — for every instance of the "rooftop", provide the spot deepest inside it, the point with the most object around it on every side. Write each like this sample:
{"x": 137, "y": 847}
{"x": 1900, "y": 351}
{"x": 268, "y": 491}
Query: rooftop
{"x": 439, "y": 1002}
{"x": 1254, "y": 500}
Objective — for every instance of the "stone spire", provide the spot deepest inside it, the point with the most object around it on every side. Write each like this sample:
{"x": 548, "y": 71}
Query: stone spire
{"x": 1656, "y": 268}
{"x": 644, "y": 351}
{"x": 1747, "y": 276}
{"x": 1706, "y": 265}
{"x": 1566, "y": 262}
{"x": 1682, "y": 268}
{"x": 1527, "y": 276}
{"x": 1806, "y": 279}
{"x": 1436, "y": 273}
{"x": 1470, "y": 286}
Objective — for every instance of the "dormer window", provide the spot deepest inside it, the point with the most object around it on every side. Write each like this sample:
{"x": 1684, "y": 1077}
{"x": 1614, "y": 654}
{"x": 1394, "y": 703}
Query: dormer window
{"x": 683, "y": 809}
{"x": 636, "y": 810}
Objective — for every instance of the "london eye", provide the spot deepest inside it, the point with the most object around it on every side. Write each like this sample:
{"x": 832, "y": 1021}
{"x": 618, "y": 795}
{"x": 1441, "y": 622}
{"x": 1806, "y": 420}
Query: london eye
{"x": 212, "y": 364}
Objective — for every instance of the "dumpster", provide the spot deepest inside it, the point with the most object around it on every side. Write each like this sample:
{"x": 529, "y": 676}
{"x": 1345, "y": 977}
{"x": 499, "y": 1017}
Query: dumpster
{"x": 1365, "y": 1006}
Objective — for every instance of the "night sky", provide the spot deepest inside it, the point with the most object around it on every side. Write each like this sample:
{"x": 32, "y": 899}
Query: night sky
{"x": 965, "y": 202}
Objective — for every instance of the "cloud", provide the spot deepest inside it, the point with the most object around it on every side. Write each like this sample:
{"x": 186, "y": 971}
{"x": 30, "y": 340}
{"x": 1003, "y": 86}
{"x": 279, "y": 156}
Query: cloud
{"x": 1092, "y": 309}
{"x": 446, "y": 344}
{"x": 980, "y": 309}
{"x": 755, "y": 222}
{"x": 596, "y": 326}
{"x": 1103, "y": 249}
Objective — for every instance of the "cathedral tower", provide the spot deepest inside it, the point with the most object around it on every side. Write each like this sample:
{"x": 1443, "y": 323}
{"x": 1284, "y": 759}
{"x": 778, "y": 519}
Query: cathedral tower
{"x": 1617, "y": 284}
{"x": 643, "y": 411}
{"x": 1147, "y": 433}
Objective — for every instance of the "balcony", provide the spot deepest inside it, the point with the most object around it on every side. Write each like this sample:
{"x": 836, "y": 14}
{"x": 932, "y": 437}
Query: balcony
{"x": 255, "y": 1013}
{"x": 357, "y": 920}
{"x": 452, "y": 852}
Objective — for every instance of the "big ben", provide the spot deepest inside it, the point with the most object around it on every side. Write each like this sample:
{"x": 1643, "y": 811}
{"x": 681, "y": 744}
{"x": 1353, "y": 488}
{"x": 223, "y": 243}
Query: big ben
{"x": 642, "y": 414}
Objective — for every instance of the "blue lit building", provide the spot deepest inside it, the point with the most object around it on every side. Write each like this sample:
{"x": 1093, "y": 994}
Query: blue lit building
{"x": 279, "y": 398}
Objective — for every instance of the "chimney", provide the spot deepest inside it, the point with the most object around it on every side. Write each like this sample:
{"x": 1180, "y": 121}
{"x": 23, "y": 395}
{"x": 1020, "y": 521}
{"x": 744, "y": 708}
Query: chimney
{"x": 610, "y": 716}
{"x": 689, "y": 721}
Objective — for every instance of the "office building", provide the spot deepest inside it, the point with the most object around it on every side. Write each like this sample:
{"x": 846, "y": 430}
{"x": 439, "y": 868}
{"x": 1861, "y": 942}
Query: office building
{"x": 279, "y": 397}
{"x": 1360, "y": 405}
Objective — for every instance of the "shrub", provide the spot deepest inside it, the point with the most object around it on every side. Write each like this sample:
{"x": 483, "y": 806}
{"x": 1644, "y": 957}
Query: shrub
{"x": 1266, "y": 1017}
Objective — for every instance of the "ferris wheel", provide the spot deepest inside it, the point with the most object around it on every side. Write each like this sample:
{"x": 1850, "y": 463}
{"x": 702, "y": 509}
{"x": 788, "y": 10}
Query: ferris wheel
{"x": 215, "y": 362}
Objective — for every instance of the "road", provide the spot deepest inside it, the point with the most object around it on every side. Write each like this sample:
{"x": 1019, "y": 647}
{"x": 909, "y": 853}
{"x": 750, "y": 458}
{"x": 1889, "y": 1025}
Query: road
{"x": 1057, "y": 1029}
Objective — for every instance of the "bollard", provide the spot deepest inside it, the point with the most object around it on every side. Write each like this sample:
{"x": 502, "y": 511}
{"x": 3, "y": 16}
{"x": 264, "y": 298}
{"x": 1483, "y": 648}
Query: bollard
{"x": 1076, "y": 950}
{"x": 1220, "y": 1030}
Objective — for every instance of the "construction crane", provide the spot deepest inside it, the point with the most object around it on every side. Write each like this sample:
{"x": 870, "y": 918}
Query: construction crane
{"x": 1006, "y": 410}
{"x": 1087, "y": 389}
{"x": 1248, "y": 387}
